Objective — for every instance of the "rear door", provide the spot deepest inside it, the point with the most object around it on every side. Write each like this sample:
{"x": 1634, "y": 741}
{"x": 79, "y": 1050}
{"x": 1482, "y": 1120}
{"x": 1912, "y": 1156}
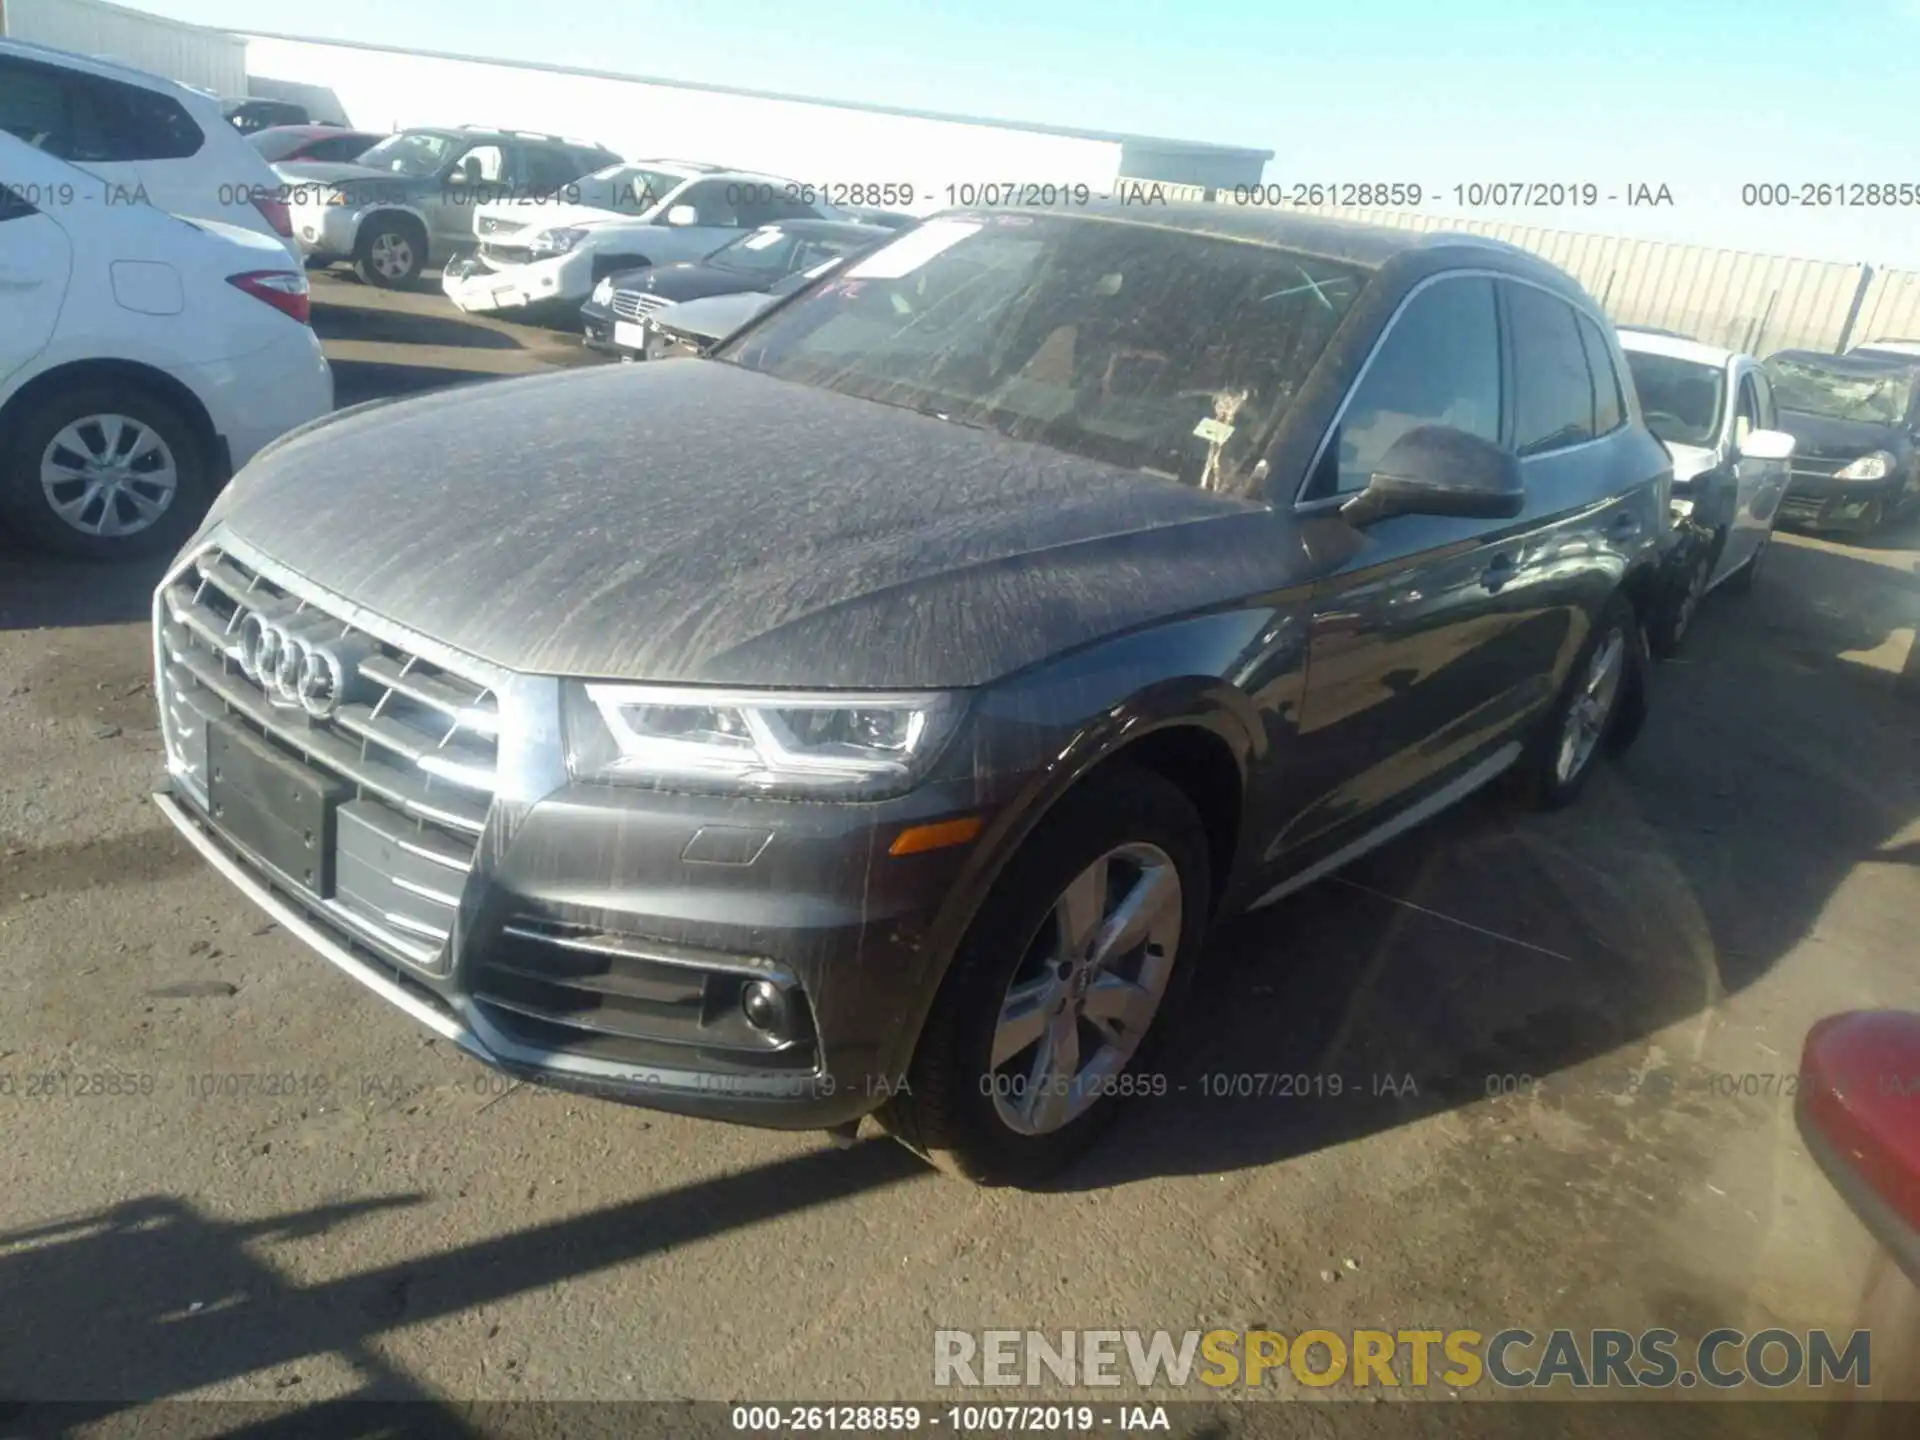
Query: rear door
{"x": 1404, "y": 672}
{"x": 35, "y": 261}
{"x": 1598, "y": 484}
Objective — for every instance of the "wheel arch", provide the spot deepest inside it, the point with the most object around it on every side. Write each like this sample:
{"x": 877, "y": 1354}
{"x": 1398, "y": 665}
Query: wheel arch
{"x": 388, "y": 214}
{"x": 72, "y": 374}
{"x": 1198, "y": 742}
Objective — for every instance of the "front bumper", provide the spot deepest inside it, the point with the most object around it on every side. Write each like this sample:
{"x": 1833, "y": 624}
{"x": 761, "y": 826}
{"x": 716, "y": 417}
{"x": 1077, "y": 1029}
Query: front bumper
{"x": 325, "y": 232}
{"x": 558, "y": 282}
{"x": 1824, "y": 503}
{"x": 598, "y": 938}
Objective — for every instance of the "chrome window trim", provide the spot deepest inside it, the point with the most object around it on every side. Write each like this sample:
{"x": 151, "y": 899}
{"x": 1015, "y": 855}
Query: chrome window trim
{"x": 1324, "y": 502}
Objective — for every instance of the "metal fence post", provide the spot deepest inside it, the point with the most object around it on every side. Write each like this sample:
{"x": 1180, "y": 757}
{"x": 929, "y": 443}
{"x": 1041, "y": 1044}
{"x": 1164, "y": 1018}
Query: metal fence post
{"x": 1853, "y": 311}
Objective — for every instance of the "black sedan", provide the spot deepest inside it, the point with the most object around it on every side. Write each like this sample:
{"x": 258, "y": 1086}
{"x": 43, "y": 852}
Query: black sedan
{"x": 753, "y": 264}
{"x": 1855, "y": 420}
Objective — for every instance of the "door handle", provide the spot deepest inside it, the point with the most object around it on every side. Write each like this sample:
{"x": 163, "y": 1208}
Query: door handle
{"x": 1499, "y": 571}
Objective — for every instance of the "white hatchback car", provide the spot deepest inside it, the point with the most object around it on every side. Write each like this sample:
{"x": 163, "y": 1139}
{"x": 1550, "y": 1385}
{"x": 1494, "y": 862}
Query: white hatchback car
{"x": 143, "y": 359}
{"x": 152, "y": 141}
{"x": 1713, "y": 408}
{"x": 539, "y": 256}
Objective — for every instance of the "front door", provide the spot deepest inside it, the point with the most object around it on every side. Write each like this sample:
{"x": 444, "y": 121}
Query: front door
{"x": 1407, "y": 627}
{"x": 1761, "y": 483}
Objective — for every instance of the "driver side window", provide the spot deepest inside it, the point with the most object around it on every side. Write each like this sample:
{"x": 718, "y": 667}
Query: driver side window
{"x": 711, "y": 203}
{"x": 1439, "y": 364}
{"x": 483, "y": 164}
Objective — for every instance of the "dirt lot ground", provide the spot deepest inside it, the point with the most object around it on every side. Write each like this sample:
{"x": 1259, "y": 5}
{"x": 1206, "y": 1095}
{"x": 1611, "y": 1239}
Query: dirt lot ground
{"x": 406, "y": 1223}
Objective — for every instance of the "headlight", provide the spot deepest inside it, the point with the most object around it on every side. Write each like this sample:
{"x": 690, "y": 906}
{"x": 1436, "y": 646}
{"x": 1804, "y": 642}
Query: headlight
{"x": 603, "y": 292}
{"x": 765, "y": 742}
{"x": 1876, "y": 466}
{"x": 555, "y": 242}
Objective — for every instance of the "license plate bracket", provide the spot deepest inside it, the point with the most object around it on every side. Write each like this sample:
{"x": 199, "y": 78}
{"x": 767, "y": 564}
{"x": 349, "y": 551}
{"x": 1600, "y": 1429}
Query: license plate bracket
{"x": 630, "y": 335}
{"x": 272, "y": 805}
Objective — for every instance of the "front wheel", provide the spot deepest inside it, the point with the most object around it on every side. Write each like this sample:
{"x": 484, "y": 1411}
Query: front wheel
{"x": 1740, "y": 582}
{"x": 390, "y": 254}
{"x": 1063, "y": 982}
{"x": 1670, "y": 628}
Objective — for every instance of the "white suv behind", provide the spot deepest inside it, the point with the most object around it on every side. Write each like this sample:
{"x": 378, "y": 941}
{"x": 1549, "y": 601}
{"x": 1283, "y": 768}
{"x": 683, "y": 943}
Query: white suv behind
{"x": 546, "y": 254}
{"x": 151, "y": 141}
{"x": 144, "y": 358}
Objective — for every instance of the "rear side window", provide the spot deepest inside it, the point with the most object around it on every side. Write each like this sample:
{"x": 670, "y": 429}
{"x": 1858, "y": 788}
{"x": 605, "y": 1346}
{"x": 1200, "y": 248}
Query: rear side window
{"x": 1439, "y": 364}
{"x": 339, "y": 148}
{"x": 550, "y": 167}
{"x": 90, "y": 119}
{"x": 1609, "y": 406}
{"x": 1552, "y": 388}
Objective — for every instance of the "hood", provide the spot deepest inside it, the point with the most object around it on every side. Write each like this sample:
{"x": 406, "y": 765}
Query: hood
{"x": 547, "y": 214}
{"x": 697, "y": 522}
{"x": 714, "y": 317}
{"x": 1819, "y": 438}
{"x": 689, "y": 280}
{"x": 327, "y": 172}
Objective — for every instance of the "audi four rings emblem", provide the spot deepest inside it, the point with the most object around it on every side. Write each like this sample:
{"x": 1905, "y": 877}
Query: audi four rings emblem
{"x": 293, "y": 668}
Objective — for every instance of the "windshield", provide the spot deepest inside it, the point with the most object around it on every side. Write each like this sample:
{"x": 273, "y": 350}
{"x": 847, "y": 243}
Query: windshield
{"x": 765, "y": 251}
{"x": 1681, "y": 399}
{"x": 628, "y": 189}
{"x": 1157, "y": 349}
{"x": 413, "y": 153}
{"x": 1810, "y": 388}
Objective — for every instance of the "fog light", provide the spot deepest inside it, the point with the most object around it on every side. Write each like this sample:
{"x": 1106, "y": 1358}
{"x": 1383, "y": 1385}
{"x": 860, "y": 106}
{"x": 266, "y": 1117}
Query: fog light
{"x": 765, "y": 1006}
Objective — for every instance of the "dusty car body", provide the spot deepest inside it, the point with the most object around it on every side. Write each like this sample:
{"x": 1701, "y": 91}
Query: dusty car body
{"x": 1003, "y": 616}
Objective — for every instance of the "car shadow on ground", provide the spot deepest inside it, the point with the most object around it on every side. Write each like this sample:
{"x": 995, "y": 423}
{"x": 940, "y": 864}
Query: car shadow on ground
{"x": 174, "y": 1301}
{"x": 393, "y": 326}
{"x": 38, "y": 592}
{"x": 1495, "y": 951}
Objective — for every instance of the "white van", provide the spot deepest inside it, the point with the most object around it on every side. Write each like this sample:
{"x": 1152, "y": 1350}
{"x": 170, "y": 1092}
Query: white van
{"x": 150, "y": 139}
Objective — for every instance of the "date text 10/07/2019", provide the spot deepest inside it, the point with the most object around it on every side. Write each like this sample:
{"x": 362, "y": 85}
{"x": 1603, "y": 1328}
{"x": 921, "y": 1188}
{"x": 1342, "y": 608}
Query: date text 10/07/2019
{"x": 953, "y": 1419}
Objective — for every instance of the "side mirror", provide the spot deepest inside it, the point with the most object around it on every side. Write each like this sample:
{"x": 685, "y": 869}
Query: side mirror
{"x": 683, "y": 215}
{"x": 1766, "y": 445}
{"x": 1859, "y": 1112}
{"x": 1438, "y": 470}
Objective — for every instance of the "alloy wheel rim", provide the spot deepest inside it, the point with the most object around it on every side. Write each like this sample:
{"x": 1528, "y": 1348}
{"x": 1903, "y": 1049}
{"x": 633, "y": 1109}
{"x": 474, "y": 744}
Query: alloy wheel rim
{"x": 1592, "y": 706}
{"x": 392, "y": 255}
{"x": 108, "y": 475}
{"x": 1087, "y": 990}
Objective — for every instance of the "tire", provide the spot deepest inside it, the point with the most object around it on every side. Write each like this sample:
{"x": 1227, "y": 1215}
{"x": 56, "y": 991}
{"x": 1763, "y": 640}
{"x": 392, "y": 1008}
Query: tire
{"x": 1740, "y": 582}
{"x": 1543, "y": 779}
{"x": 1669, "y": 628}
{"x": 165, "y": 463}
{"x": 1139, "y": 833}
{"x": 390, "y": 252}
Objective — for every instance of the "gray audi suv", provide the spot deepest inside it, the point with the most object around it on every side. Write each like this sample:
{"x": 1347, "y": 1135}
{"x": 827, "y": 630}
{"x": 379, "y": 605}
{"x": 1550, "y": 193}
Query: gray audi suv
{"x": 871, "y": 719}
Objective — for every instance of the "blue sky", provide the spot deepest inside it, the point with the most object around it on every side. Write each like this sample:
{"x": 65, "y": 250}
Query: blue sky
{"x": 1701, "y": 95}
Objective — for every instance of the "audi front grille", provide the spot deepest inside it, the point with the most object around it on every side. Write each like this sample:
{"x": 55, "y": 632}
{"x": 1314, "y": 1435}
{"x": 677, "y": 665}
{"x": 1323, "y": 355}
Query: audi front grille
{"x": 356, "y": 769}
{"x": 636, "y": 304}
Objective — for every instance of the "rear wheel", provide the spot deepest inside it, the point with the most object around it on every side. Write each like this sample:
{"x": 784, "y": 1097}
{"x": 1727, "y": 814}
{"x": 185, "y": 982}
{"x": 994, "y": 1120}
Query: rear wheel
{"x": 1064, "y": 981}
{"x": 1670, "y": 629}
{"x": 1565, "y": 750}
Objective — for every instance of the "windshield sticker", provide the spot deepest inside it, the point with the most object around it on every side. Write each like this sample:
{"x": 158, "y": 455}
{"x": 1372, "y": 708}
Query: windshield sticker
{"x": 761, "y": 241}
{"x": 912, "y": 250}
{"x": 1214, "y": 432}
